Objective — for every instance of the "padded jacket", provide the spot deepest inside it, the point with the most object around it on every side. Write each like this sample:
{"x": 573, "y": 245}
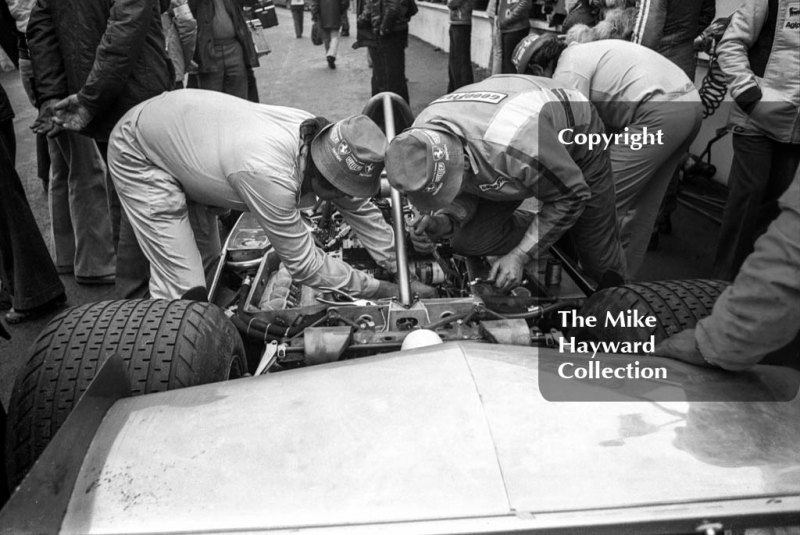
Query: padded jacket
{"x": 760, "y": 56}
{"x": 670, "y": 26}
{"x": 386, "y": 16}
{"x": 328, "y": 13}
{"x": 203, "y": 11}
{"x": 111, "y": 53}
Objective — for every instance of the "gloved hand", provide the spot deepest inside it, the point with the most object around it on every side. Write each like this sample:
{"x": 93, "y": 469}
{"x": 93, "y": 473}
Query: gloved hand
{"x": 507, "y": 271}
{"x": 44, "y": 123}
{"x": 423, "y": 290}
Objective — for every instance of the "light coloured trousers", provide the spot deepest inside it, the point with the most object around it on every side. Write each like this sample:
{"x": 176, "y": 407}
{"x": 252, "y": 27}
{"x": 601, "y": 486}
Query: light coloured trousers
{"x": 330, "y": 39}
{"x": 180, "y": 238}
{"x": 641, "y": 176}
{"x": 81, "y": 224}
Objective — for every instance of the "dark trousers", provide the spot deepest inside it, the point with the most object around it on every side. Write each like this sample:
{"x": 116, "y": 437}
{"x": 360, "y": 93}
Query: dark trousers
{"x": 297, "y": 16}
{"x": 761, "y": 171}
{"x": 345, "y": 25}
{"x": 132, "y": 278}
{"x": 26, "y": 269}
{"x": 389, "y": 64}
{"x": 510, "y": 41}
{"x": 459, "y": 66}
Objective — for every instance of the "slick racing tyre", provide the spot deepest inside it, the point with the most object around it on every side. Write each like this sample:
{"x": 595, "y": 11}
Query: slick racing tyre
{"x": 166, "y": 345}
{"x": 676, "y": 305}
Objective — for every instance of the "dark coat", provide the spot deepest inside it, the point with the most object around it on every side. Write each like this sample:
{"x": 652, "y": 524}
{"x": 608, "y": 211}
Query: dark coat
{"x": 111, "y": 67}
{"x": 386, "y": 16}
{"x": 670, "y": 27}
{"x": 203, "y": 11}
{"x": 328, "y": 13}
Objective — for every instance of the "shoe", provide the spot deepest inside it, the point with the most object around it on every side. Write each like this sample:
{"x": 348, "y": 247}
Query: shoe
{"x": 331, "y": 62}
{"x": 344, "y": 34}
{"x": 14, "y": 317}
{"x": 198, "y": 293}
{"x": 100, "y": 280}
{"x": 298, "y": 36}
{"x": 65, "y": 270}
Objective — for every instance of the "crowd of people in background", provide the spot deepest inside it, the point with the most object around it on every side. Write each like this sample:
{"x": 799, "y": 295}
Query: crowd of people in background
{"x": 615, "y": 65}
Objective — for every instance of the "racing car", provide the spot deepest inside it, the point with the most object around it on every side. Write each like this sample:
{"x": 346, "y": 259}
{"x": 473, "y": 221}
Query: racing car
{"x": 281, "y": 407}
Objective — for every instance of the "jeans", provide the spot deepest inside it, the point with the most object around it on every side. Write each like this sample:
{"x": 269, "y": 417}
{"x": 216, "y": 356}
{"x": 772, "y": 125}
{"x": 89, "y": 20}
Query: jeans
{"x": 230, "y": 71}
{"x": 761, "y": 170}
{"x": 81, "y": 232}
{"x": 459, "y": 67}
{"x": 330, "y": 40}
{"x": 26, "y": 269}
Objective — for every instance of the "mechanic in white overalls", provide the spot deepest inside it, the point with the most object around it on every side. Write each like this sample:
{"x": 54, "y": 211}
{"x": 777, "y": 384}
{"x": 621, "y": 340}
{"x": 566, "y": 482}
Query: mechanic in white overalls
{"x": 508, "y": 127}
{"x": 633, "y": 88}
{"x": 221, "y": 151}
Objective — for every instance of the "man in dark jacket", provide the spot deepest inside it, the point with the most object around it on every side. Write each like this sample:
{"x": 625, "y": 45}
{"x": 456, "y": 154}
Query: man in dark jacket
{"x": 96, "y": 59}
{"x": 225, "y": 52}
{"x": 670, "y": 27}
{"x": 389, "y": 22}
{"x": 93, "y": 60}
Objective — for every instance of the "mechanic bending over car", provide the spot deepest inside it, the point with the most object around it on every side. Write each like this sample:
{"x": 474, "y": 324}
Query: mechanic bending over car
{"x": 214, "y": 149}
{"x": 635, "y": 90}
{"x": 760, "y": 312}
{"x": 475, "y": 155}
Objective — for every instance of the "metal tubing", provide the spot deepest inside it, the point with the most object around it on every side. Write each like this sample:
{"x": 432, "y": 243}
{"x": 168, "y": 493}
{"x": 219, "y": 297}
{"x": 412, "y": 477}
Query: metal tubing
{"x": 397, "y": 216}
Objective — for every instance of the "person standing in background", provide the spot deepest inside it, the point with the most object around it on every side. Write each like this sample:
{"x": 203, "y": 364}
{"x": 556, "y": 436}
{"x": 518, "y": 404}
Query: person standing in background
{"x": 345, "y": 30}
{"x": 80, "y": 232}
{"x": 328, "y": 16}
{"x": 224, "y": 50}
{"x": 460, "y": 58}
{"x": 180, "y": 34}
{"x": 298, "y": 7}
{"x": 760, "y": 56}
{"x": 27, "y": 272}
{"x": 513, "y": 22}
{"x": 389, "y": 22}
{"x": 117, "y": 58}
{"x": 670, "y": 27}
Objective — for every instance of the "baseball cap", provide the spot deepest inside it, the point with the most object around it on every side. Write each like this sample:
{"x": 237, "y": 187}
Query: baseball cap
{"x": 349, "y": 153}
{"x": 526, "y": 48}
{"x": 427, "y": 164}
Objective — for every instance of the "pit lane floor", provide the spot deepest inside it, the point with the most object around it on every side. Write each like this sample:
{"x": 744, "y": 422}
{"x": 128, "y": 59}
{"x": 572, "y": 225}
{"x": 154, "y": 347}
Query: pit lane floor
{"x": 296, "y": 74}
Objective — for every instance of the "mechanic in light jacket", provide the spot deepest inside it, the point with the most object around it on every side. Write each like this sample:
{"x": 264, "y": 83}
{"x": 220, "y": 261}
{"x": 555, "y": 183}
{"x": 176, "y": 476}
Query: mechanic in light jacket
{"x": 634, "y": 90}
{"x": 760, "y": 56}
{"x": 218, "y": 150}
{"x": 760, "y": 312}
{"x": 475, "y": 155}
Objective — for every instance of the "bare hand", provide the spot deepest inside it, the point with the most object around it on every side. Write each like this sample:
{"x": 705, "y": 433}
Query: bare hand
{"x": 434, "y": 227}
{"x": 71, "y": 114}
{"x": 44, "y": 123}
{"x": 682, "y": 346}
{"x": 507, "y": 271}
